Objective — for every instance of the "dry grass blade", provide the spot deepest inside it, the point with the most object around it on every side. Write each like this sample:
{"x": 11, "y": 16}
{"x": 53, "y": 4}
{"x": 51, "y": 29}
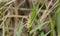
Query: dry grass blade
{"x": 44, "y": 14}
{"x": 17, "y": 16}
{"x": 2, "y": 24}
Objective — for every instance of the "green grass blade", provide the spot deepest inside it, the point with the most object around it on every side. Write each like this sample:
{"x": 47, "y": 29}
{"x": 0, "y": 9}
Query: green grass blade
{"x": 20, "y": 28}
{"x": 42, "y": 33}
{"x": 52, "y": 26}
{"x": 57, "y": 15}
{"x": 58, "y": 21}
{"x": 39, "y": 27}
{"x": 34, "y": 14}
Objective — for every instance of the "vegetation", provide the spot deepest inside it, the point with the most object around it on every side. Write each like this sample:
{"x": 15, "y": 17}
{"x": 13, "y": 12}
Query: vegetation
{"x": 29, "y": 17}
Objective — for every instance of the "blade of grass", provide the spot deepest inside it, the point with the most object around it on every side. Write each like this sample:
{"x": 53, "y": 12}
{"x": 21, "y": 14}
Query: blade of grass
{"x": 47, "y": 33}
{"x": 2, "y": 24}
{"x": 20, "y": 28}
{"x": 45, "y": 12}
{"x": 42, "y": 34}
{"x": 52, "y": 26}
{"x": 58, "y": 21}
{"x": 34, "y": 13}
{"x": 7, "y": 28}
{"x": 33, "y": 3}
{"x": 57, "y": 17}
{"x": 39, "y": 27}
